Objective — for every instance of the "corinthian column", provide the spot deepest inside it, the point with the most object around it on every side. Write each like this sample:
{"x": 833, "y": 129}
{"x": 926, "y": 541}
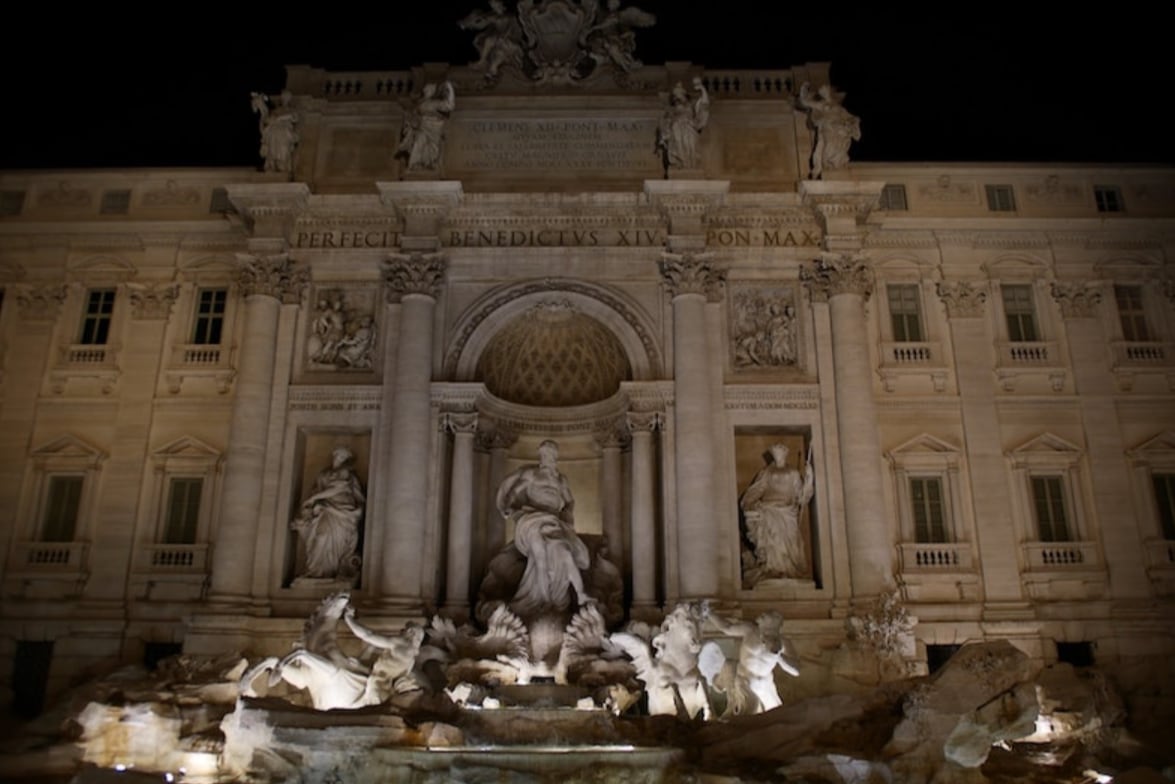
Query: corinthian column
{"x": 460, "y": 545}
{"x": 691, "y": 279}
{"x": 266, "y": 282}
{"x": 845, "y": 281}
{"x": 414, "y": 281}
{"x": 611, "y": 441}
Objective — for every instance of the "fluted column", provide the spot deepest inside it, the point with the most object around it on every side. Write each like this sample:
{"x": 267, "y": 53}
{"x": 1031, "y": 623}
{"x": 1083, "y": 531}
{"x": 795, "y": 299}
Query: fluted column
{"x": 266, "y": 282}
{"x": 642, "y": 425}
{"x": 460, "y": 545}
{"x": 414, "y": 281}
{"x": 691, "y": 279}
{"x": 611, "y": 442}
{"x": 846, "y": 281}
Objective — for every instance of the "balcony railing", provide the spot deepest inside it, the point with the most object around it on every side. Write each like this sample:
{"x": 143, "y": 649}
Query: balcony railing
{"x": 910, "y": 354}
{"x": 82, "y": 356}
{"x": 175, "y": 558}
{"x": 1142, "y": 355}
{"x": 195, "y": 355}
{"x": 49, "y": 556}
{"x": 1051, "y": 556}
{"x": 944, "y": 557}
{"x": 1026, "y": 354}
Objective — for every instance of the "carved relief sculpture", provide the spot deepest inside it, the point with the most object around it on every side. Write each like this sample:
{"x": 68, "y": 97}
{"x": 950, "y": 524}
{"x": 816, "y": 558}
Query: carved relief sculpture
{"x": 764, "y": 333}
{"x": 328, "y": 521}
{"x": 773, "y": 506}
{"x": 279, "y": 131}
{"x": 836, "y": 128}
{"x": 342, "y": 336}
{"x": 681, "y": 127}
{"x": 422, "y": 137}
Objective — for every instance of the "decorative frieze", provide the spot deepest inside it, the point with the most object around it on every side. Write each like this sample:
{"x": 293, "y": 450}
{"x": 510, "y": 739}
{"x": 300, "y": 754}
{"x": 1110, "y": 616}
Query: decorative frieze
{"x": 65, "y": 195}
{"x": 276, "y": 276}
{"x": 414, "y": 273}
{"x": 1077, "y": 300}
{"x": 152, "y": 302}
{"x": 945, "y": 190}
{"x": 838, "y": 273}
{"x": 171, "y": 195}
{"x": 764, "y": 328}
{"x": 963, "y": 298}
{"x": 692, "y": 273}
{"x": 40, "y": 303}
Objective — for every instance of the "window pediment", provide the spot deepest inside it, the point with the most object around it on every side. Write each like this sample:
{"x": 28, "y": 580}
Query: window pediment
{"x": 1045, "y": 450}
{"x": 68, "y": 451}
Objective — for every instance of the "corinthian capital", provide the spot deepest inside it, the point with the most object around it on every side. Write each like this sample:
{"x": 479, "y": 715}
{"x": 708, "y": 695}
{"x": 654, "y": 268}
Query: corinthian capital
{"x": 692, "y": 273}
{"x": 1077, "y": 300}
{"x": 963, "y": 298}
{"x": 838, "y": 273}
{"x": 153, "y": 302}
{"x": 414, "y": 273}
{"x": 276, "y": 276}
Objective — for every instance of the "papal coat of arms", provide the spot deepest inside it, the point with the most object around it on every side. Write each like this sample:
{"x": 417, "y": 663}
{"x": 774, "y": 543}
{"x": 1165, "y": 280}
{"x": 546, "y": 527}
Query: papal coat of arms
{"x": 556, "y": 41}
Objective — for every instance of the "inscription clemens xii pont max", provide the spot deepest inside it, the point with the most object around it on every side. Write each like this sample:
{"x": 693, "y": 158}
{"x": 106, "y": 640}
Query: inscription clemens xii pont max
{"x": 544, "y": 144}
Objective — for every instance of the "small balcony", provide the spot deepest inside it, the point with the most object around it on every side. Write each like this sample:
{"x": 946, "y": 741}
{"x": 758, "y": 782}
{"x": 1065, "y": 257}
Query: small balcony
{"x": 938, "y": 573}
{"x": 1063, "y": 571}
{"x": 171, "y": 572}
{"x": 900, "y": 360}
{"x": 200, "y": 361}
{"x": 1136, "y": 355}
{"x": 174, "y": 558}
{"x": 1015, "y": 360}
{"x": 47, "y": 570}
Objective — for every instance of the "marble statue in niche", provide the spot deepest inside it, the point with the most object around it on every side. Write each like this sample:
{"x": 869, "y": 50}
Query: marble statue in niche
{"x": 773, "y": 506}
{"x": 538, "y": 499}
{"x": 680, "y": 129}
{"x": 765, "y": 330}
{"x": 328, "y": 521}
{"x": 836, "y": 128}
{"x": 423, "y": 134}
{"x": 279, "y": 131}
{"x": 343, "y": 334}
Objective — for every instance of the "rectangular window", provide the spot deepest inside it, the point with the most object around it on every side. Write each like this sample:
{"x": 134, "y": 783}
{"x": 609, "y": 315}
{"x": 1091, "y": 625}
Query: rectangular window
{"x": 905, "y": 312}
{"x": 929, "y": 517}
{"x": 1020, "y": 313}
{"x": 183, "y": 510}
{"x": 11, "y": 202}
{"x": 96, "y": 323}
{"x": 1001, "y": 198}
{"x": 1048, "y": 501}
{"x": 30, "y": 675}
{"x": 1165, "y": 500}
{"x": 1108, "y": 198}
{"x": 893, "y": 197}
{"x": 1130, "y": 313}
{"x": 115, "y": 202}
{"x": 62, "y": 501}
{"x": 209, "y": 316}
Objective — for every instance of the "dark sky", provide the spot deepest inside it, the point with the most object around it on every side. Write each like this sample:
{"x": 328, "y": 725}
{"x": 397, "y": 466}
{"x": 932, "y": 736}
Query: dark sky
{"x": 90, "y": 89}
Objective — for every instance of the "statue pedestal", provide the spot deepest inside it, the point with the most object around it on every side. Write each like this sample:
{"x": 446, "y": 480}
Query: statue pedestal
{"x": 319, "y": 587}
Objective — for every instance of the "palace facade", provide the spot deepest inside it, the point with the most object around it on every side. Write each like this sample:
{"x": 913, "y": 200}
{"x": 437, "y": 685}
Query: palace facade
{"x": 441, "y": 268}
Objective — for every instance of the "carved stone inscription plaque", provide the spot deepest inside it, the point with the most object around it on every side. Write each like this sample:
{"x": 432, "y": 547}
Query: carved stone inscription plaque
{"x": 584, "y": 145}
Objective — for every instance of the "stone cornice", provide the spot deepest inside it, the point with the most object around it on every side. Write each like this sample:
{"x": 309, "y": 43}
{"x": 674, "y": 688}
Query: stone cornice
{"x": 269, "y": 209}
{"x": 413, "y": 273}
{"x": 840, "y": 205}
{"x": 838, "y": 273}
{"x": 421, "y": 205}
{"x": 684, "y": 204}
{"x": 901, "y": 239}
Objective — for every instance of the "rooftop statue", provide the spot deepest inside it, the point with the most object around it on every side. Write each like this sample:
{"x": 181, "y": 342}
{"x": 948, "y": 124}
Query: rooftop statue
{"x": 681, "y": 126}
{"x": 279, "y": 131}
{"x": 556, "y": 41}
{"x": 424, "y": 127}
{"x": 836, "y": 129}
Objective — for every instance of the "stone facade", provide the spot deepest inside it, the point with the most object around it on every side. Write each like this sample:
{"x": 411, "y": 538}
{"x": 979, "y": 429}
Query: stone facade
{"x": 977, "y": 362}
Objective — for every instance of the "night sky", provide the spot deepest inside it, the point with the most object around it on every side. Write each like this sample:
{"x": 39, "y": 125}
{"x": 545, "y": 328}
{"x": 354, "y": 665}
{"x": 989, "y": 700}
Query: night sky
{"x": 90, "y": 90}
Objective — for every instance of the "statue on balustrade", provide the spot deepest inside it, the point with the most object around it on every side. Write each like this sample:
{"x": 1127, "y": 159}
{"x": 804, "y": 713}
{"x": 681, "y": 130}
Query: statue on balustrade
{"x": 422, "y": 136}
{"x": 279, "y": 131}
{"x": 680, "y": 129}
{"x": 836, "y": 128}
{"x": 773, "y": 506}
{"x": 328, "y": 521}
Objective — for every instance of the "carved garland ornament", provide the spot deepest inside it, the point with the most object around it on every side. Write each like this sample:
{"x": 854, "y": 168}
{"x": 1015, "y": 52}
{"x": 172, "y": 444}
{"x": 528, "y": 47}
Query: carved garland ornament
{"x": 1077, "y": 300}
{"x": 41, "y": 303}
{"x": 153, "y": 302}
{"x": 414, "y": 273}
{"x": 963, "y": 298}
{"x": 276, "y": 276}
{"x": 838, "y": 273}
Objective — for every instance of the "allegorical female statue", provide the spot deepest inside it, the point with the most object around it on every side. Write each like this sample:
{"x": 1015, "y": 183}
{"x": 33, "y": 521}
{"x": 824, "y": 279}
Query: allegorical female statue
{"x": 773, "y": 504}
{"x": 328, "y": 521}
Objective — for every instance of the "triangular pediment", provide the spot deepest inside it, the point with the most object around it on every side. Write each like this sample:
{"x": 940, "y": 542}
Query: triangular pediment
{"x": 186, "y": 447}
{"x": 925, "y": 444}
{"x": 68, "y": 448}
{"x": 1160, "y": 447}
{"x": 1047, "y": 449}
